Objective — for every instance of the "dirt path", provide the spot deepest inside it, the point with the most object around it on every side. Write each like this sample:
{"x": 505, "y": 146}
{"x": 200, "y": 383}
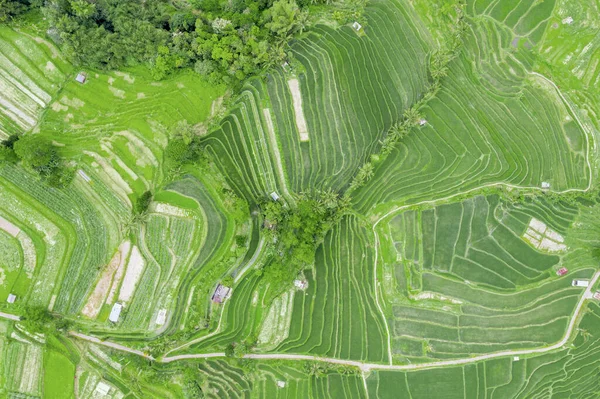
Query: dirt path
{"x": 9, "y": 316}
{"x": 109, "y": 344}
{"x": 365, "y": 367}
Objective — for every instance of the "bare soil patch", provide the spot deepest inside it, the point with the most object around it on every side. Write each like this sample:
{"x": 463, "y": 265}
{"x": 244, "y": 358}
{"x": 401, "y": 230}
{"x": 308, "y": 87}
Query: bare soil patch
{"x": 96, "y": 299}
{"x": 294, "y": 87}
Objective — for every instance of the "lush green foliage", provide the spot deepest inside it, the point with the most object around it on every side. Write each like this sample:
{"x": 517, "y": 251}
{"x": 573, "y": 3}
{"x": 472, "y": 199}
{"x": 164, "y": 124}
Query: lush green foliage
{"x": 223, "y": 41}
{"x": 12, "y": 8}
{"x": 470, "y": 176}
{"x": 297, "y": 232}
{"x": 39, "y": 155}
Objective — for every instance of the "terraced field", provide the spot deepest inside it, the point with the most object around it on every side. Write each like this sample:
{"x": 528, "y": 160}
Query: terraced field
{"x": 564, "y": 373}
{"x": 31, "y": 72}
{"x": 337, "y": 317}
{"x": 463, "y": 278}
{"x": 343, "y": 121}
{"x": 449, "y": 273}
{"x": 493, "y": 122}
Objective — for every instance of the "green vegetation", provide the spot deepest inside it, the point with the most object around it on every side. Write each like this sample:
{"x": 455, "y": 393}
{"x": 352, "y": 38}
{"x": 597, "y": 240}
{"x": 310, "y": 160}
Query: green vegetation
{"x": 297, "y": 232}
{"x": 59, "y": 373}
{"x": 359, "y": 190}
{"x": 42, "y": 157}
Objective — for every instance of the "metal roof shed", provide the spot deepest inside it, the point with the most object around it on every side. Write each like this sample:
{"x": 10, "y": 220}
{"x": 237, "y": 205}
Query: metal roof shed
{"x": 115, "y": 312}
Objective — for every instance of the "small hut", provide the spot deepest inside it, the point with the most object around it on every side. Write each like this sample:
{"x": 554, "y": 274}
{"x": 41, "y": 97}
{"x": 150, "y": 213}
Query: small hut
{"x": 356, "y": 26}
{"x": 81, "y": 77}
{"x": 11, "y": 298}
{"x": 115, "y": 312}
{"x": 220, "y": 294}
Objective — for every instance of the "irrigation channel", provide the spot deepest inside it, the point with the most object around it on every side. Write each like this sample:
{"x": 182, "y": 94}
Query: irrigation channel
{"x": 364, "y": 367}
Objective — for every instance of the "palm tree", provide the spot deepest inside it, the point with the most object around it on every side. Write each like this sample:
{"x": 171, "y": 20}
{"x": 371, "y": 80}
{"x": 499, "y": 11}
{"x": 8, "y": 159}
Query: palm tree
{"x": 412, "y": 117}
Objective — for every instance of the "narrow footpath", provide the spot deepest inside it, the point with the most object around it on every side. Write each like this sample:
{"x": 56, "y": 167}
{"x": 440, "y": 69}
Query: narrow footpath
{"x": 364, "y": 367}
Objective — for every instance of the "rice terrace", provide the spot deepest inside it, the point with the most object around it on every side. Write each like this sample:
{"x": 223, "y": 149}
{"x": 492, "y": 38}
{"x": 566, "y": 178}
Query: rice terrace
{"x": 300, "y": 199}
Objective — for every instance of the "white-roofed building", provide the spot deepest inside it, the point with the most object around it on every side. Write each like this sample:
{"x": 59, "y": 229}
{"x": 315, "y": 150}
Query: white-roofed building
{"x": 102, "y": 388}
{"x": 162, "y": 317}
{"x": 580, "y": 283}
{"x": 81, "y": 78}
{"x": 115, "y": 312}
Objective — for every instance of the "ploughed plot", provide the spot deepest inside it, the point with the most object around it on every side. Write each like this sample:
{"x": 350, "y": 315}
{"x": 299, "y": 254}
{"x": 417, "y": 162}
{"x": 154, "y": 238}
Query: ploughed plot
{"x": 31, "y": 72}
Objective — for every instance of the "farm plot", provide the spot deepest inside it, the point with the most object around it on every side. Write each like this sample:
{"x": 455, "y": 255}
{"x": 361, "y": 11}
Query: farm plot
{"x": 170, "y": 244}
{"x": 478, "y": 240}
{"x": 42, "y": 242}
{"x": 31, "y": 73}
{"x": 337, "y": 317}
{"x": 23, "y": 368}
{"x": 58, "y": 376}
{"x": 218, "y": 232}
{"x": 567, "y": 373}
{"x": 474, "y": 282}
{"x": 351, "y": 89}
{"x": 10, "y": 251}
{"x": 121, "y": 121}
{"x": 492, "y": 122}
{"x": 223, "y": 379}
{"x": 527, "y": 19}
{"x": 89, "y": 231}
{"x": 242, "y": 146}
{"x": 570, "y": 50}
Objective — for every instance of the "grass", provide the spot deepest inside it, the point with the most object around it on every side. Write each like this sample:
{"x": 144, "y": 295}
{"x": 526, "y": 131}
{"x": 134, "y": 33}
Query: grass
{"x": 58, "y": 376}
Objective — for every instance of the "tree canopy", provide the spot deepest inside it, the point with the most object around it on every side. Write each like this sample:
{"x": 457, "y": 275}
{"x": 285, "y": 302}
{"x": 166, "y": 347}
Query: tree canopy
{"x": 40, "y": 155}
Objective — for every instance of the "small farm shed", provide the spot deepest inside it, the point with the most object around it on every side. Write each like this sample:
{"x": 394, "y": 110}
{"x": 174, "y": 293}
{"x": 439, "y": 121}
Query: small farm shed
{"x": 580, "y": 283}
{"x": 162, "y": 317}
{"x": 81, "y": 77}
{"x": 301, "y": 284}
{"x": 274, "y": 196}
{"x": 356, "y": 26}
{"x": 11, "y": 298}
{"x": 102, "y": 388}
{"x": 567, "y": 21}
{"x": 545, "y": 184}
{"x": 115, "y": 312}
{"x": 84, "y": 176}
{"x": 221, "y": 293}
{"x": 562, "y": 271}
{"x": 597, "y": 295}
